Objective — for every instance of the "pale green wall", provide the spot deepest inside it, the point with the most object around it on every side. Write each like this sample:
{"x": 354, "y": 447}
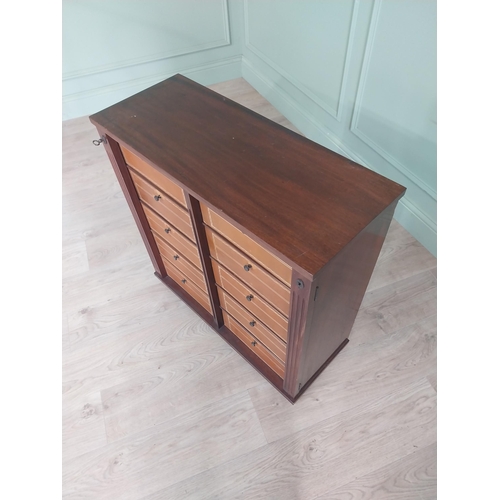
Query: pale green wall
{"x": 357, "y": 76}
{"x": 115, "y": 48}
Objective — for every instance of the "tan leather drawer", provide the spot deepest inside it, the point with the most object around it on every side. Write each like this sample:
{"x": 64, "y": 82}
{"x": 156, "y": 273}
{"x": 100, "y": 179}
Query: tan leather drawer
{"x": 175, "y": 238}
{"x": 267, "y": 356}
{"x": 180, "y": 262}
{"x": 253, "y": 325}
{"x": 251, "y": 301}
{"x": 162, "y": 204}
{"x": 266, "y": 285}
{"x": 154, "y": 176}
{"x": 189, "y": 286}
{"x": 259, "y": 254}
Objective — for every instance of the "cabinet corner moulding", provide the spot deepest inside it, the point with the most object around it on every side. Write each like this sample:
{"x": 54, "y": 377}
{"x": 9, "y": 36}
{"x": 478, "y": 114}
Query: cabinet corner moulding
{"x": 249, "y": 225}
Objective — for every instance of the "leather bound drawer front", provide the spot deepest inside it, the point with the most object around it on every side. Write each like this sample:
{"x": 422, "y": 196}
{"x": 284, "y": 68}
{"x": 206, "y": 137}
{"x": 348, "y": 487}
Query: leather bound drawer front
{"x": 268, "y": 357}
{"x": 188, "y": 286}
{"x": 253, "y": 325}
{"x": 265, "y": 258}
{"x": 167, "y": 208}
{"x": 155, "y": 177}
{"x": 256, "y": 305}
{"x": 173, "y": 237}
{"x": 181, "y": 263}
{"x": 266, "y": 285}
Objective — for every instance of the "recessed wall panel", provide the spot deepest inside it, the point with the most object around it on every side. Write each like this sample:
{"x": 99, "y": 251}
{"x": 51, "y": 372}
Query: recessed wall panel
{"x": 395, "y": 109}
{"x": 306, "y": 41}
{"x": 118, "y": 33}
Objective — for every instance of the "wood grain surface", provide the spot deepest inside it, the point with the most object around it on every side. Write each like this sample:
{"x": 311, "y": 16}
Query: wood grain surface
{"x": 163, "y": 205}
{"x": 247, "y": 245}
{"x": 251, "y": 300}
{"x": 173, "y": 237}
{"x": 154, "y": 176}
{"x": 249, "y": 272}
{"x": 253, "y": 325}
{"x": 176, "y": 258}
{"x": 262, "y": 169}
{"x": 157, "y": 406}
{"x": 328, "y": 455}
{"x": 413, "y": 477}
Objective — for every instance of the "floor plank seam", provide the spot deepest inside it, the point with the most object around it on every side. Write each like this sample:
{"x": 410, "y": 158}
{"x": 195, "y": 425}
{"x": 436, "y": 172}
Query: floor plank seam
{"x": 410, "y": 325}
{"x": 396, "y": 282}
{"x": 257, "y": 414}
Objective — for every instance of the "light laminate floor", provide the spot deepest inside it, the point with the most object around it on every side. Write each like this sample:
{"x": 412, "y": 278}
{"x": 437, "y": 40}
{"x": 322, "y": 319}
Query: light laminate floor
{"x": 157, "y": 406}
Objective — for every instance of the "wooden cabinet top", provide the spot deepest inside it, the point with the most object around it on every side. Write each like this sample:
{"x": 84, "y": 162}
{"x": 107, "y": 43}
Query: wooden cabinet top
{"x": 297, "y": 197}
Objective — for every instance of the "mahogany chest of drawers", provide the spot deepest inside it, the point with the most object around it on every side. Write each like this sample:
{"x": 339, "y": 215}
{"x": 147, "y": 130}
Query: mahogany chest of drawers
{"x": 269, "y": 237}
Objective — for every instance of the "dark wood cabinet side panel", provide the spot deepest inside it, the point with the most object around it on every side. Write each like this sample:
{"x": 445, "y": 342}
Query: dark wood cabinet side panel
{"x": 303, "y": 387}
{"x": 125, "y": 180}
{"x": 201, "y": 239}
{"x": 339, "y": 290}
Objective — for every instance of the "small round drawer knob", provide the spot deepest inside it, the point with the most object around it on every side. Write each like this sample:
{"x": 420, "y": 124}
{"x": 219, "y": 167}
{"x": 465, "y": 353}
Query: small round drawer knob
{"x": 247, "y": 267}
{"x": 249, "y": 297}
{"x": 252, "y": 323}
{"x": 167, "y": 230}
{"x": 254, "y": 343}
{"x": 176, "y": 257}
{"x": 184, "y": 281}
{"x": 157, "y": 197}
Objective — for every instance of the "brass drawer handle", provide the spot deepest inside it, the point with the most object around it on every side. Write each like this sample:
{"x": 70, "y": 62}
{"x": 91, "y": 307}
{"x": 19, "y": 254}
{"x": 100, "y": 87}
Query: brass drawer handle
{"x": 184, "y": 281}
{"x": 252, "y": 323}
{"x": 157, "y": 197}
{"x": 249, "y": 297}
{"x": 167, "y": 230}
{"x": 247, "y": 267}
{"x": 254, "y": 343}
{"x": 176, "y": 257}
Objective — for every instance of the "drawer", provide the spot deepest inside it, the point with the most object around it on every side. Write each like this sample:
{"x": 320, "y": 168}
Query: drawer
{"x": 259, "y": 254}
{"x": 181, "y": 263}
{"x": 251, "y": 273}
{"x": 162, "y": 204}
{"x": 251, "y": 301}
{"x": 253, "y": 325}
{"x": 173, "y": 237}
{"x": 154, "y": 176}
{"x": 268, "y": 357}
{"x": 183, "y": 281}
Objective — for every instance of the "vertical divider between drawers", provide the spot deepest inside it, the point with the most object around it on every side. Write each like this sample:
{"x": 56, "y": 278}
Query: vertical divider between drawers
{"x": 126, "y": 183}
{"x": 201, "y": 239}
